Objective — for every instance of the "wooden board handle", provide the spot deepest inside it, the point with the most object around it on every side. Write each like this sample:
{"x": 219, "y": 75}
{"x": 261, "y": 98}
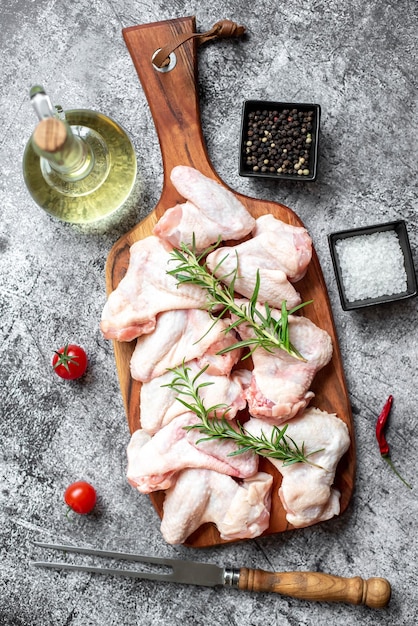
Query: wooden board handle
{"x": 172, "y": 95}
{"x": 374, "y": 592}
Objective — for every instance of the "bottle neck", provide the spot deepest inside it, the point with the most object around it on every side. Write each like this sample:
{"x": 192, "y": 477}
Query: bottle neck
{"x": 68, "y": 155}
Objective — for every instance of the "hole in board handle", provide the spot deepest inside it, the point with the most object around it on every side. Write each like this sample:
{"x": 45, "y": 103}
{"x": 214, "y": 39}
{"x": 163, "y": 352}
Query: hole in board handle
{"x": 172, "y": 60}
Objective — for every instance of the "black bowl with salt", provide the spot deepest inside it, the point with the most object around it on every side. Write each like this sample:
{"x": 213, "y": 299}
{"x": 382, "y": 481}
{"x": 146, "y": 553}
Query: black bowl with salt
{"x": 373, "y": 265}
{"x": 279, "y": 140}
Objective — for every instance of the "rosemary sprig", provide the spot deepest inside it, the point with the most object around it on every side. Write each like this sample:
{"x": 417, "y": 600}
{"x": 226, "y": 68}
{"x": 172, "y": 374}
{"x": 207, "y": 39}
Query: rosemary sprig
{"x": 279, "y": 446}
{"x": 269, "y": 333}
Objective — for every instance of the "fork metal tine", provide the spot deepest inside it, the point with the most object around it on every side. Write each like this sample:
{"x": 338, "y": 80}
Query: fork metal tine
{"x": 103, "y": 570}
{"x": 123, "y": 556}
{"x": 189, "y": 572}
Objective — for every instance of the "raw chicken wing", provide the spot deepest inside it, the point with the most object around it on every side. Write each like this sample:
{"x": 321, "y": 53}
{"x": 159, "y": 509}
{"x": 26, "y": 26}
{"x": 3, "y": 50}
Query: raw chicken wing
{"x": 248, "y": 258}
{"x": 290, "y": 245}
{"x": 211, "y": 211}
{"x": 183, "y": 221}
{"x": 154, "y": 462}
{"x": 239, "y": 509}
{"x": 306, "y": 491}
{"x": 144, "y": 291}
{"x": 280, "y": 385}
{"x": 279, "y": 252}
{"x": 184, "y": 335}
{"x": 159, "y": 404}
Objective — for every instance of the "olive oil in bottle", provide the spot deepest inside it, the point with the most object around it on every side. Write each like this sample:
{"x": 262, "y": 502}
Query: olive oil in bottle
{"x": 79, "y": 165}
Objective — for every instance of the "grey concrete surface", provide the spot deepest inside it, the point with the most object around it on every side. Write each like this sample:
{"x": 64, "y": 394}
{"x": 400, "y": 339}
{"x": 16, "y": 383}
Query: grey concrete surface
{"x": 358, "y": 61}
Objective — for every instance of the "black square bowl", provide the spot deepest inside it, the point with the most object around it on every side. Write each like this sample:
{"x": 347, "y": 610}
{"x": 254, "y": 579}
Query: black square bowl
{"x": 279, "y": 140}
{"x": 362, "y": 272}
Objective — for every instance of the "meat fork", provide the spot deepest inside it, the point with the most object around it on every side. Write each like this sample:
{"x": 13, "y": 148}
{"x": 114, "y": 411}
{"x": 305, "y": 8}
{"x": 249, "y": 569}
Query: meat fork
{"x": 374, "y": 592}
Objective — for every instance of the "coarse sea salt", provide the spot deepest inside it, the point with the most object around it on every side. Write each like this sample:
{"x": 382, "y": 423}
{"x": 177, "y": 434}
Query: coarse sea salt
{"x": 372, "y": 265}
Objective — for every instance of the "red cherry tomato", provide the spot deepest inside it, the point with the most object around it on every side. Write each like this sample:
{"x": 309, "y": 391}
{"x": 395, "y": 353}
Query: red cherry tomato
{"x": 80, "y": 497}
{"x": 70, "y": 362}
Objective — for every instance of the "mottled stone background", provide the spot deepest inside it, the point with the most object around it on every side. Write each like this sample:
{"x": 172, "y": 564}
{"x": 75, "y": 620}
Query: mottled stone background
{"x": 358, "y": 61}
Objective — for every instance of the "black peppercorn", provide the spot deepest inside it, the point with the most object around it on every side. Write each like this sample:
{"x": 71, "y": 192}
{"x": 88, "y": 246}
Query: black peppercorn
{"x": 279, "y": 141}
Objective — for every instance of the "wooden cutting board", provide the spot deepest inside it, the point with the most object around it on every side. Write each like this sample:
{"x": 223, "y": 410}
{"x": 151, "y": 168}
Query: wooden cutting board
{"x": 173, "y": 100}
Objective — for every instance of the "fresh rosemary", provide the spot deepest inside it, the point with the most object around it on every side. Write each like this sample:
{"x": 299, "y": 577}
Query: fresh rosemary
{"x": 278, "y": 446}
{"x": 269, "y": 333}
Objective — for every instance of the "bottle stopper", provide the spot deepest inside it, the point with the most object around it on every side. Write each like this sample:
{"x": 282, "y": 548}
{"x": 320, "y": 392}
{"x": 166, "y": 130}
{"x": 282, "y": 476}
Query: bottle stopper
{"x": 50, "y": 135}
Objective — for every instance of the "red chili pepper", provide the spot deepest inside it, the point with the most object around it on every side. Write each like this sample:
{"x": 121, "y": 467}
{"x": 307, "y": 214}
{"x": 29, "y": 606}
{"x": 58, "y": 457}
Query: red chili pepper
{"x": 380, "y": 427}
{"x": 381, "y": 439}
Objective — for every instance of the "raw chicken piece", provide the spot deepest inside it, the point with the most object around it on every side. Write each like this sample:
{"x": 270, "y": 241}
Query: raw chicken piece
{"x": 159, "y": 404}
{"x": 182, "y": 221}
{"x": 280, "y": 253}
{"x": 154, "y": 462}
{"x": 184, "y": 335}
{"x": 306, "y": 491}
{"x": 280, "y": 383}
{"x": 144, "y": 291}
{"x": 239, "y": 509}
{"x": 220, "y": 364}
{"x": 291, "y": 246}
{"x": 211, "y": 211}
{"x": 247, "y": 258}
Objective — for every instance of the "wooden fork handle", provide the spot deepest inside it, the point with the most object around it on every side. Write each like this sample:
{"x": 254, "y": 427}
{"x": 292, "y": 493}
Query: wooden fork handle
{"x": 374, "y": 592}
